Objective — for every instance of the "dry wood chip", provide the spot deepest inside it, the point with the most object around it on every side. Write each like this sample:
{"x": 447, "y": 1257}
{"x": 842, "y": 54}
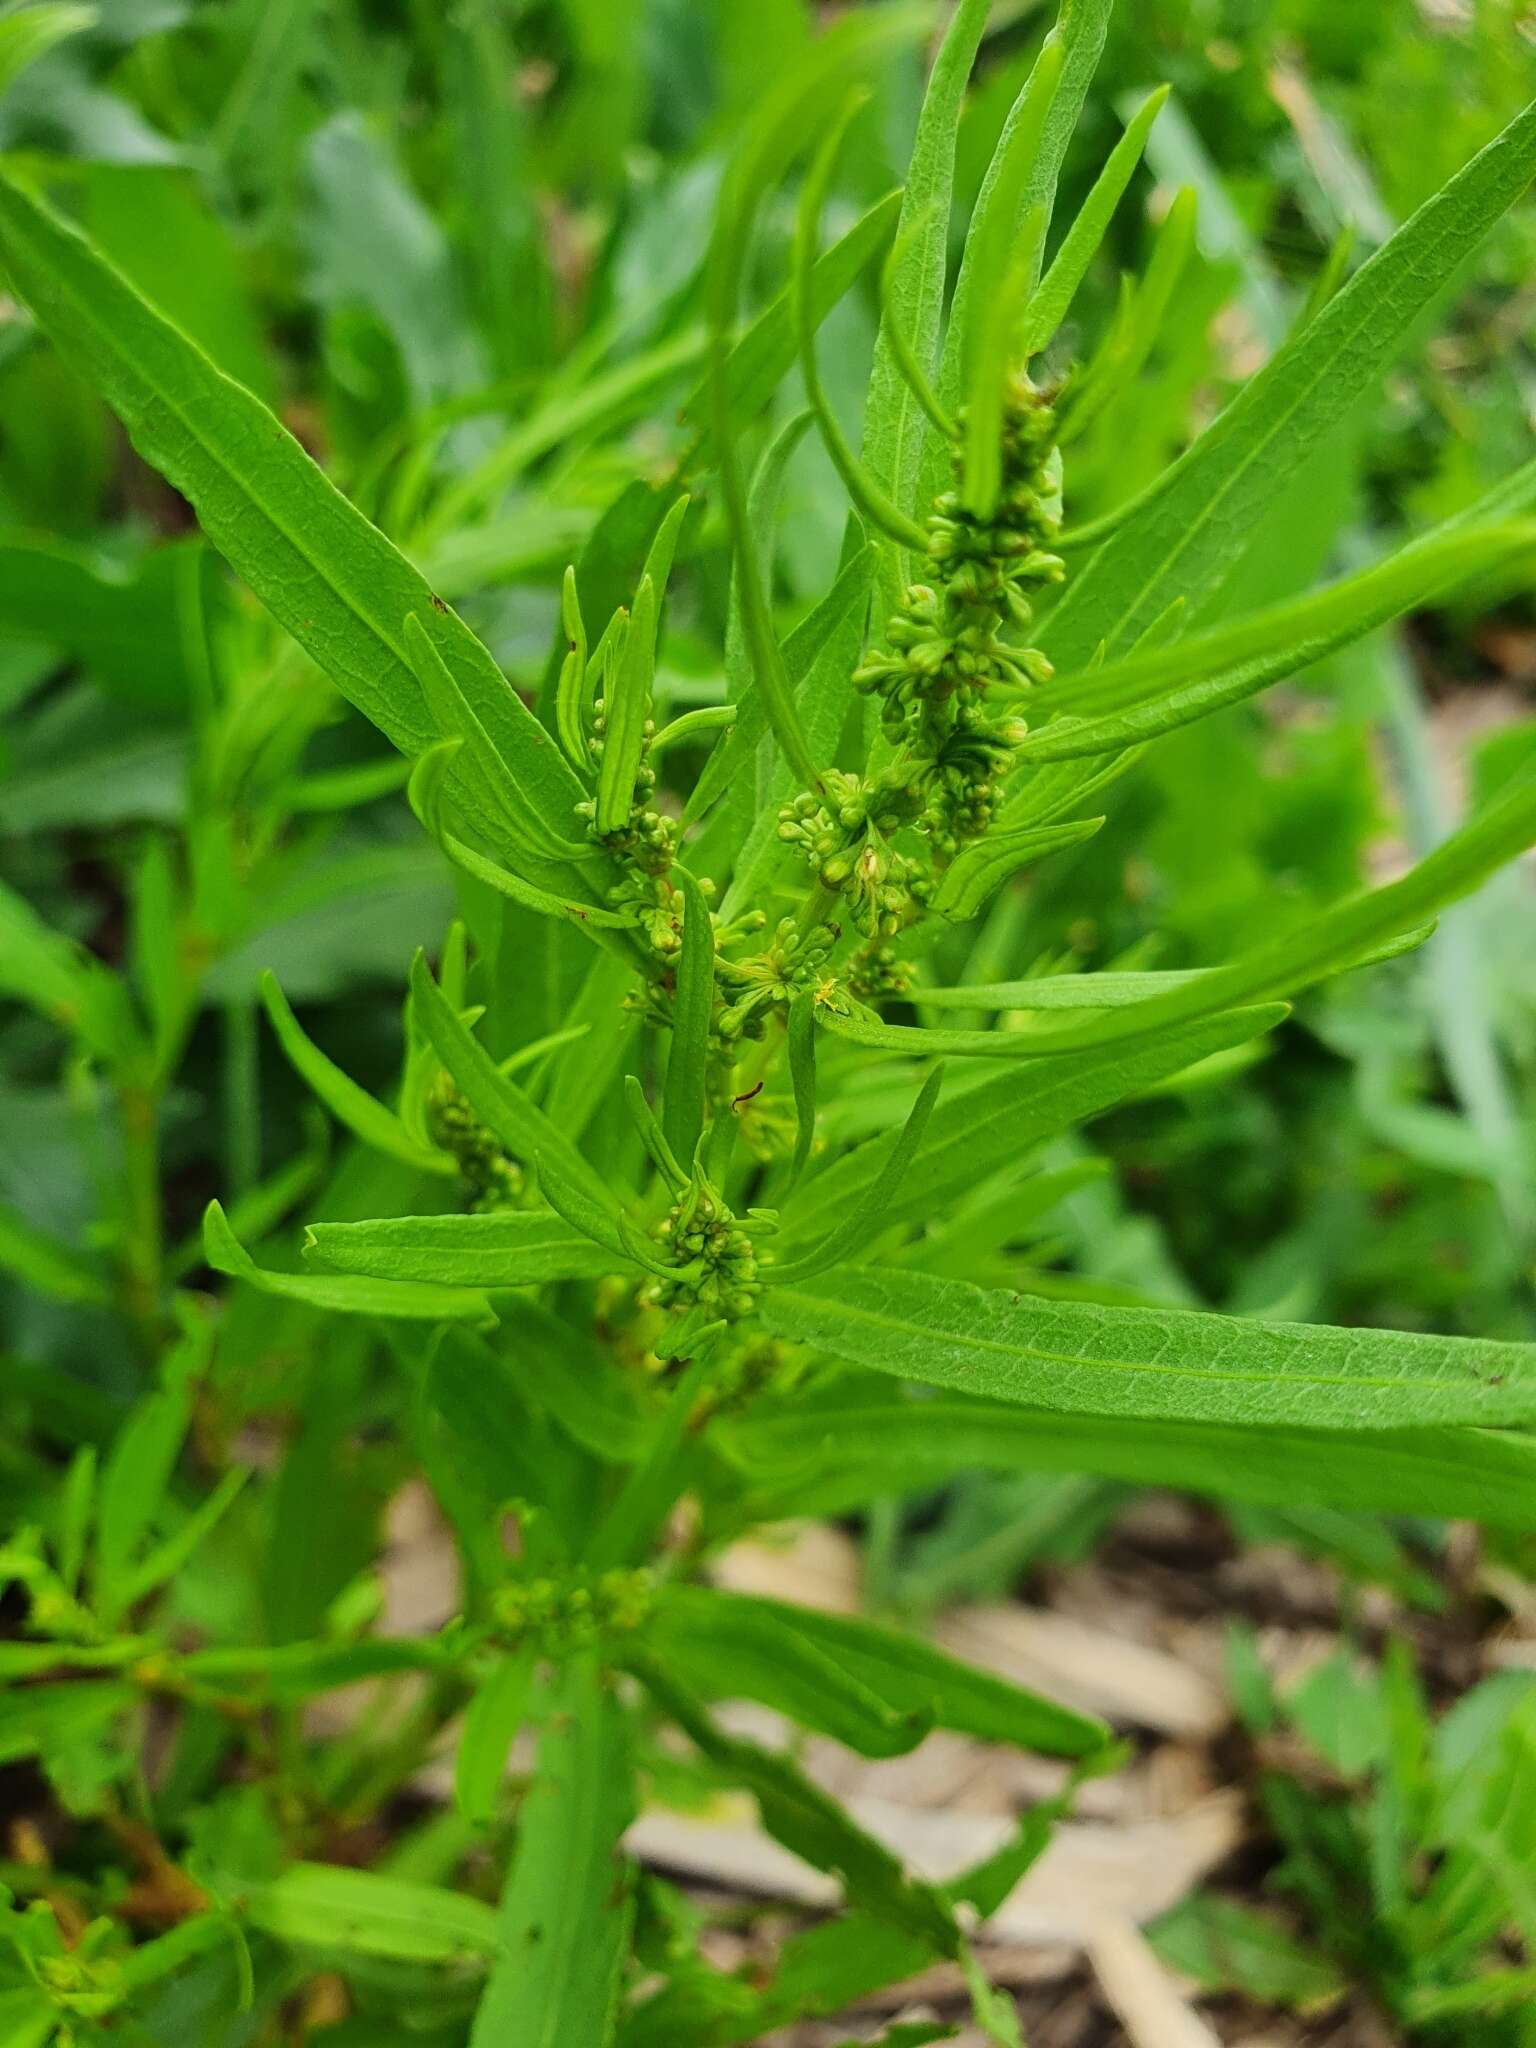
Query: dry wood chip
{"x": 1087, "y": 1667}
{"x": 1088, "y": 1872}
{"x": 1141, "y": 1991}
{"x": 809, "y": 1562}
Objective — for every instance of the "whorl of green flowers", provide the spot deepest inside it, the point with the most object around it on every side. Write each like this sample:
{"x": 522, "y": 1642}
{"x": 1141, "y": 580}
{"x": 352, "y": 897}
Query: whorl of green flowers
{"x": 948, "y": 680}
{"x": 555, "y": 1616}
{"x": 492, "y": 1178}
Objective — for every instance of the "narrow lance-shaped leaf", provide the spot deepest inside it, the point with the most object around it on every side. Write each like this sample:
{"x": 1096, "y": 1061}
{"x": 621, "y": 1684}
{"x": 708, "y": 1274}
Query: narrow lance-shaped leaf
{"x": 917, "y": 378}
{"x": 596, "y": 1220}
{"x": 765, "y": 352}
{"x": 1052, "y": 788}
{"x": 909, "y": 1675}
{"x": 1081, "y": 28}
{"x": 296, "y": 1671}
{"x": 502, "y": 1248}
{"x": 329, "y": 577}
{"x": 566, "y": 1910}
{"x": 1172, "y": 1364}
{"x": 1117, "y": 362}
{"x": 77, "y": 1504}
{"x": 995, "y": 350}
{"x": 863, "y": 1221}
{"x": 659, "y": 556}
{"x": 1057, "y": 289}
{"x": 724, "y": 1648}
{"x": 1333, "y": 939}
{"x": 895, "y": 428}
{"x": 979, "y": 869}
{"x": 692, "y": 725}
{"x": 1004, "y": 260}
{"x": 1110, "y": 989}
{"x": 1189, "y": 533}
{"x": 767, "y": 658}
{"x": 430, "y": 781}
{"x": 495, "y": 1714}
{"x": 1146, "y": 695}
{"x": 791, "y": 111}
{"x": 802, "y": 1076}
{"x": 765, "y": 493}
{"x": 364, "y": 1913}
{"x": 1507, "y": 501}
{"x": 651, "y": 1135}
{"x": 979, "y": 1128}
{"x": 139, "y": 1468}
{"x": 572, "y": 706}
{"x": 626, "y": 661}
{"x": 692, "y": 1008}
{"x": 608, "y": 570}
{"x": 834, "y": 1460}
{"x": 867, "y": 495}
{"x": 921, "y": 1041}
{"x": 346, "y": 1296}
{"x": 498, "y": 1101}
{"x": 353, "y": 1107}
{"x": 1116, "y": 989}
{"x": 457, "y": 718}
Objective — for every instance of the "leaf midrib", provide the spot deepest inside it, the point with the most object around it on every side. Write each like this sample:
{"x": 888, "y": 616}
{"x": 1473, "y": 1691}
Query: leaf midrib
{"x": 880, "y": 1320}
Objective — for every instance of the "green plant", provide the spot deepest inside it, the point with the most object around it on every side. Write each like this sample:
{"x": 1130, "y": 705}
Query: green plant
{"x": 669, "y": 1225}
{"x": 1404, "y": 1839}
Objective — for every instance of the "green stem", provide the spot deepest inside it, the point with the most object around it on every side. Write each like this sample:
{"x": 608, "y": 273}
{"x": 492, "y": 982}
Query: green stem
{"x": 242, "y": 1113}
{"x": 815, "y": 910}
{"x": 649, "y": 1491}
{"x": 142, "y": 1246}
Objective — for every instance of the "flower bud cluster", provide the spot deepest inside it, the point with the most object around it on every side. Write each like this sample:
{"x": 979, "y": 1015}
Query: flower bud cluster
{"x": 755, "y": 1367}
{"x": 876, "y": 975}
{"x": 91, "y": 1987}
{"x": 492, "y": 1178}
{"x": 647, "y": 841}
{"x": 765, "y": 982}
{"x": 714, "y": 1254}
{"x": 947, "y": 648}
{"x": 573, "y": 1612}
{"x": 846, "y": 835}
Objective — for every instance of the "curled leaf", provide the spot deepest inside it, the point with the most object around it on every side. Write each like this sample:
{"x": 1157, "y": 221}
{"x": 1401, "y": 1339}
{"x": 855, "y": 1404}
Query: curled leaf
{"x": 977, "y": 870}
